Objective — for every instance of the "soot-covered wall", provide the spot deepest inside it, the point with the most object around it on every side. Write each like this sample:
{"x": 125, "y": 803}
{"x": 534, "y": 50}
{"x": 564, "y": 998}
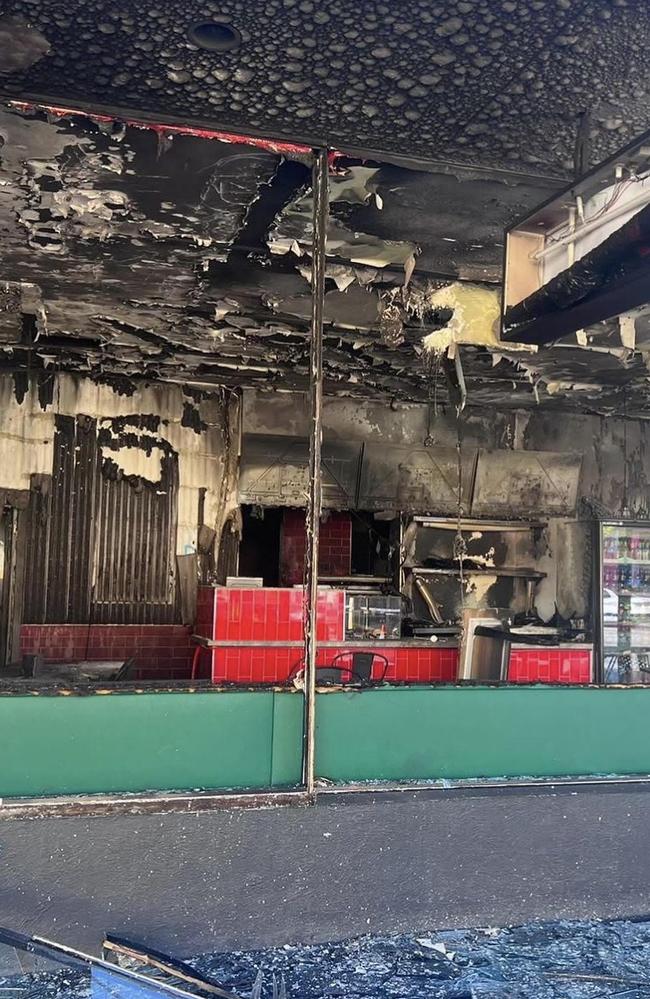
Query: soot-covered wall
{"x": 614, "y": 472}
{"x": 203, "y": 434}
{"x": 116, "y": 492}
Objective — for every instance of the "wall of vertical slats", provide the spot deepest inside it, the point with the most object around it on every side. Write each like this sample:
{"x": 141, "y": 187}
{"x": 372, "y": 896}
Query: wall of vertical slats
{"x": 37, "y": 543}
{"x": 135, "y": 577}
{"x": 100, "y": 549}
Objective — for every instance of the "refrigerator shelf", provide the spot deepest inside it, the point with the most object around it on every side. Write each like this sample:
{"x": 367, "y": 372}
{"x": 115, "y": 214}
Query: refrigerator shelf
{"x": 610, "y": 652}
{"x": 624, "y": 560}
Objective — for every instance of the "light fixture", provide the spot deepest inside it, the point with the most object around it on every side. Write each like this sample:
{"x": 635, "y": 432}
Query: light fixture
{"x": 216, "y": 36}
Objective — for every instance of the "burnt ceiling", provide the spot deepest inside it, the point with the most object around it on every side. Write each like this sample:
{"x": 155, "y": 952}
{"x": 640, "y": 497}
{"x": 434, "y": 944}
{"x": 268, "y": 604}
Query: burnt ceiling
{"x": 131, "y": 253}
{"x": 491, "y": 82}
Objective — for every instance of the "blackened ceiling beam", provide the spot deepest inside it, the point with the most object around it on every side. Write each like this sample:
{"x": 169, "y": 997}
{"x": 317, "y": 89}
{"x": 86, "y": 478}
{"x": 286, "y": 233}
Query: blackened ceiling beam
{"x": 351, "y": 149}
{"x": 624, "y": 296}
{"x": 611, "y": 279}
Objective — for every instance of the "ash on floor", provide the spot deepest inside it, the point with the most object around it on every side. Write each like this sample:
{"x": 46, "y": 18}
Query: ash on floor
{"x": 562, "y": 960}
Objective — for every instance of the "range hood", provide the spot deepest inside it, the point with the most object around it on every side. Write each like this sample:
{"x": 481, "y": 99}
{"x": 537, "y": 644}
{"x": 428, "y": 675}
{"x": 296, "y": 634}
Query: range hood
{"x": 411, "y": 479}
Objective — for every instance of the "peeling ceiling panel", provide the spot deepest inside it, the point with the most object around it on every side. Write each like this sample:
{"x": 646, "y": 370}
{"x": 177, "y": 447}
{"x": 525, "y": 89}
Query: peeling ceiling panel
{"x": 355, "y": 187}
{"x": 130, "y": 255}
{"x": 456, "y": 219}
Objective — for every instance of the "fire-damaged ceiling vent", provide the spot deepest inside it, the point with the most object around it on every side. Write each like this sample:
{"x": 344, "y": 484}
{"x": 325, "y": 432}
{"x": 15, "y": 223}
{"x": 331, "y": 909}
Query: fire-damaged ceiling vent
{"x": 583, "y": 258}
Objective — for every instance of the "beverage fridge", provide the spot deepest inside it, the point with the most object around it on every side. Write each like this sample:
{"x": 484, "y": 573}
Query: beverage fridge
{"x": 624, "y": 601}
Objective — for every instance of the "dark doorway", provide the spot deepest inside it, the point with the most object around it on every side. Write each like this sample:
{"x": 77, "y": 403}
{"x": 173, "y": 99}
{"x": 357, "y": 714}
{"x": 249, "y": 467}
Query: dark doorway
{"x": 371, "y": 545}
{"x": 259, "y": 551}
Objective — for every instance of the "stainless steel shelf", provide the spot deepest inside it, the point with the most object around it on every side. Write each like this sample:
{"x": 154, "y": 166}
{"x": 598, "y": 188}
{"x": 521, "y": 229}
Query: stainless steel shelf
{"x": 495, "y": 570}
{"x": 449, "y": 524}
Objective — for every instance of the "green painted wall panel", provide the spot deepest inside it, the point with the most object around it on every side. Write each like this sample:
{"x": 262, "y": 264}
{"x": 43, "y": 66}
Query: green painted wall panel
{"x": 286, "y": 754}
{"x": 244, "y": 739}
{"x": 428, "y": 733}
{"x": 141, "y": 742}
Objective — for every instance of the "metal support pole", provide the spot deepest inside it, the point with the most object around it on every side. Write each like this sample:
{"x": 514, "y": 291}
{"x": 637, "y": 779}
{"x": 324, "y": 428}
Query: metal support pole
{"x": 320, "y": 188}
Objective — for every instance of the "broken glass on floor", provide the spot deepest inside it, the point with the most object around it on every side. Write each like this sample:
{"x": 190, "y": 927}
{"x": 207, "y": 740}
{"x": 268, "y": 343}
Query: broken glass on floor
{"x": 554, "y": 960}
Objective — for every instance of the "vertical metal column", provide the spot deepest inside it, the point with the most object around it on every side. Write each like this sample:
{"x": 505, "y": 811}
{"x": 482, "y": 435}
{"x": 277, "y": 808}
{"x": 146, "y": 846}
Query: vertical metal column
{"x": 320, "y": 188}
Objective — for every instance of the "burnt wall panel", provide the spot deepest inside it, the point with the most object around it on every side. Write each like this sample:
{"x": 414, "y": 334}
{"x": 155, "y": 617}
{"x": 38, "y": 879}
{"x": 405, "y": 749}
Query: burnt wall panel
{"x": 526, "y": 483}
{"x": 415, "y": 479}
{"x": 57, "y": 604}
{"x": 70, "y": 551}
{"x": 37, "y": 543}
{"x": 100, "y": 546}
{"x": 81, "y": 522}
{"x": 135, "y": 578}
{"x": 274, "y": 471}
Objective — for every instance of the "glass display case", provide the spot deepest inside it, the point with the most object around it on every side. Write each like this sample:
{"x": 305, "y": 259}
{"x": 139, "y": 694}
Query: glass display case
{"x": 625, "y": 602}
{"x": 372, "y": 616}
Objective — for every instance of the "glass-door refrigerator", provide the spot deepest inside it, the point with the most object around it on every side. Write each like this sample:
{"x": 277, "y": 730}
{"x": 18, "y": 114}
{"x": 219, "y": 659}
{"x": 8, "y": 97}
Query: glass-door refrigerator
{"x": 624, "y": 601}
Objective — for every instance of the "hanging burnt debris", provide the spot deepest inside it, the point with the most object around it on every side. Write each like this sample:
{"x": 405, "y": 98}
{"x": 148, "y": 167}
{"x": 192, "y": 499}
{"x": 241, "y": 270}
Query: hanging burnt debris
{"x": 189, "y": 262}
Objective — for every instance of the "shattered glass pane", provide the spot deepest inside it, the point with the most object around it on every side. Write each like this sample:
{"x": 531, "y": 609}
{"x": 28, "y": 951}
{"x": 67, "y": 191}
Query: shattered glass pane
{"x": 35, "y": 969}
{"x": 559, "y": 960}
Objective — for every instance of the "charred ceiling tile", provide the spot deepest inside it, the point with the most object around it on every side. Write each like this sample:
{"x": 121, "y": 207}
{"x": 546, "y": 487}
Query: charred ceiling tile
{"x": 391, "y": 325}
{"x": 355, "y": 308}
{"x": 165, "y": 273}
{"x": 340, "y": 274}
{"x": 21, "y": 44}
{"x": 289, "y": 178}
{"x": 354, "y": 186}
{"x": 476, "y": 81}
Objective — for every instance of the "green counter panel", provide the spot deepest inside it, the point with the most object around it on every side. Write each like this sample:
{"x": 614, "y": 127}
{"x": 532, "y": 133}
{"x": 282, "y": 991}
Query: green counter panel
{"x": 422, "y": 733}
{"x": 252, "y": 739}
{"x": 149, "y": 742}
{"x": 286, "y": 755}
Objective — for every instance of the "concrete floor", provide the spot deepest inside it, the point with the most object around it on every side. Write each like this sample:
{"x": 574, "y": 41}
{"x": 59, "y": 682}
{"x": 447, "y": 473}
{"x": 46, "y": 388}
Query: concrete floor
{"x": 354, "y": 863}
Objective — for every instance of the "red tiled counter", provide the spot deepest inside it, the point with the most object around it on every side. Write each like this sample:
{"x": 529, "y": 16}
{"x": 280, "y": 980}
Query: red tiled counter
{"x": 161, "y": 651}
{"x": 408, "y": 663}
{"x": 259, "y": 616}
{"x": 422, "y": 664}
{"x": 550, "y": 664}
{"x": 265, "y": 615}
{"x": 266, "y": 618}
